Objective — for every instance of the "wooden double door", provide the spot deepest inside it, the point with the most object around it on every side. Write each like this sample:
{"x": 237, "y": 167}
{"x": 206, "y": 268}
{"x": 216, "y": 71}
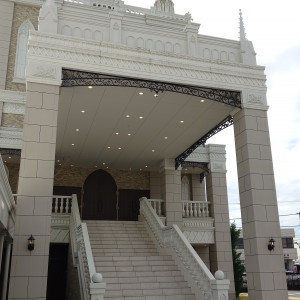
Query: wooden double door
{"x": 102, "y": 200}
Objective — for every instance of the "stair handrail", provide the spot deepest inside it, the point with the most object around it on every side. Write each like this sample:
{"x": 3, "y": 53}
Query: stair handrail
{"x": 91, "y": 282}
{"x": 201, "y": 280}
{"x": 8, "y": 207}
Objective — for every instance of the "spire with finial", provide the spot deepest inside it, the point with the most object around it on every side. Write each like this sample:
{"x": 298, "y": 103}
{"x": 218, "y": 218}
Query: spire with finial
{"x": 164, "y": 6}
{"x": 242, "y": 28}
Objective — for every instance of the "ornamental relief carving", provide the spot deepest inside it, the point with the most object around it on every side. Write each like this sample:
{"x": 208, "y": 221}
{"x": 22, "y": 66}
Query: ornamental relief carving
{"x": 257, "y": 99}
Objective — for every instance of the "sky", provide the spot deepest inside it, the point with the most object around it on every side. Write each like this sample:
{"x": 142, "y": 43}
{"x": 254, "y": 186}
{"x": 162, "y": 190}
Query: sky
{"x": 274, "y": 28}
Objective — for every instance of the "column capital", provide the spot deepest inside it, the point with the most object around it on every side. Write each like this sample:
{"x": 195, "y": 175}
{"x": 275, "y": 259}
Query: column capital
{"x": 217, "y": 158}
{"x": 167, "y": 164}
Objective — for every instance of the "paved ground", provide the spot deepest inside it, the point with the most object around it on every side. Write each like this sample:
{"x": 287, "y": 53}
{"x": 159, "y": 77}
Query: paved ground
{"x": 295, "y": 294}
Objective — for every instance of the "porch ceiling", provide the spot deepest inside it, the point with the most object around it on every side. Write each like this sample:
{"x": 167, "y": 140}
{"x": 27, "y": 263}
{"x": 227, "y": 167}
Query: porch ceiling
{"x": 119, "y": 117}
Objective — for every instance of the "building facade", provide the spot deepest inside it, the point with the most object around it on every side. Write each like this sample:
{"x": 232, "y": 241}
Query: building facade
{"x": 111, "y": 103}
{"x": 290, "y": 255}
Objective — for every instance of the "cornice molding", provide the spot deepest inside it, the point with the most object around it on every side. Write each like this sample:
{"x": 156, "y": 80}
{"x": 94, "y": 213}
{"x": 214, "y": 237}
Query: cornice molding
{"x": 30, "y": 2}
{"x": 60, "y": 51}
{"x": 213, "y": 154}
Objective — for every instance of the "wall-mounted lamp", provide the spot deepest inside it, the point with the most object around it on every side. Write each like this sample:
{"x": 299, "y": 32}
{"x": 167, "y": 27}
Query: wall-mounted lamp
{"x": 271, "y": 244}
{"x": 31, "y": 243}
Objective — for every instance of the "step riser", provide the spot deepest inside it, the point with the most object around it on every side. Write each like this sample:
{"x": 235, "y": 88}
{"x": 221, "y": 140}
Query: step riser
{"x": 131, "y": 265}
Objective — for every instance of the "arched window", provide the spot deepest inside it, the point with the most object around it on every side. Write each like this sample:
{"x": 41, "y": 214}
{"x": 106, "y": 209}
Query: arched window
{"x": 185, "y": 188}
{"x": 21, "y": 52}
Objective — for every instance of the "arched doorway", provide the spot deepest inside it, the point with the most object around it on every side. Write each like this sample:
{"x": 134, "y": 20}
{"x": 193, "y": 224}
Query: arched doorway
{"x": 99, "y": 197}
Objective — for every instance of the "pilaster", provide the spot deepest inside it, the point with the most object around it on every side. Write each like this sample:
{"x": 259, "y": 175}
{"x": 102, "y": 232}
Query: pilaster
{"x": 116, "y": 28}
{"x": 28, "y": 277}
{"x": 171, "y": 192}
{"x": 6, "y": 17}
{"x": 265, "y": 270}
{"x": 216, "y": 185}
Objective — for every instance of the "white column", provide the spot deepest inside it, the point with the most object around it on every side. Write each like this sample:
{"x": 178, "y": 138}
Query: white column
{"x": 6, "y": 268}
{"x": 265, "y": 269}
{"x": 171, "y": 192}
{"x": 1, "y": 249}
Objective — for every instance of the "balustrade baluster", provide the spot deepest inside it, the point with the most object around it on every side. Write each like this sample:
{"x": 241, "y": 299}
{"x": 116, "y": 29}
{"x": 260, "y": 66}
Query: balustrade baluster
{"x": 159, "y": 208}
{"x": 67, "y": 205}
{"x": 56, "y": 205}
{"x": 183, "y": 209}
{"x": 195, "y": 209}
{"x": 207, "y": 211}
{"x": 155, "y": 206}
{"x": 190, "y": 209}
{"x": 198, "y": 210}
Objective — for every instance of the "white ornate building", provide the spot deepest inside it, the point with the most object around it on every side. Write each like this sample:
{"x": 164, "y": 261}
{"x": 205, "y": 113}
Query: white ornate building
{"x": 103, "y": 104}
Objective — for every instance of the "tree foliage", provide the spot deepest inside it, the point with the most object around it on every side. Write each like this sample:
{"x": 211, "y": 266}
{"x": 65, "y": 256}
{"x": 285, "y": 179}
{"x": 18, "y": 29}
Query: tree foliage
{"x": 238, "y": 267}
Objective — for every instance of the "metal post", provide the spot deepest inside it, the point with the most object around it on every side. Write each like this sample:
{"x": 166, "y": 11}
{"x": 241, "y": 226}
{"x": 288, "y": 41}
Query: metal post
{"x": 1, "y": 249}
{"x": 6, "y": 268}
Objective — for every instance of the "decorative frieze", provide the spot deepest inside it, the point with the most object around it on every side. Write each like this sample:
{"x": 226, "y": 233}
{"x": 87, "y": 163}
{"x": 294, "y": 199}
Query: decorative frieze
{"x": 80, "y": 54}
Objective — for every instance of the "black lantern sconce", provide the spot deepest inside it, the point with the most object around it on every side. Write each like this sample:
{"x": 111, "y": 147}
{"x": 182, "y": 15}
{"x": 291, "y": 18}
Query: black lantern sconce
{"x": 271, "y": 244}
{"x": 31, "y": 243}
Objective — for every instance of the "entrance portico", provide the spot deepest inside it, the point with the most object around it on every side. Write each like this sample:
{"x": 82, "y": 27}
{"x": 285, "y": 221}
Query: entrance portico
{"x": 136, "y": 128}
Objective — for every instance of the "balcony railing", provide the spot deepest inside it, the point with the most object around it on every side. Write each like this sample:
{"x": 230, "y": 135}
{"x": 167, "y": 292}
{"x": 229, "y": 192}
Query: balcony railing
{"x": 157, "y": 205}
{"x": 195, "y": 209}
{"x": 61, "y": 204}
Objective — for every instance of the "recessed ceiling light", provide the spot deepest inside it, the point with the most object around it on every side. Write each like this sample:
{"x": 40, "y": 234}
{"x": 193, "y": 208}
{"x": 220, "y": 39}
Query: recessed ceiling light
{"x": 146, "y": 166}
{"x": 185, "y": 169}
{"x": 83, "y": 111}
{"x": 59, "y": 164}
{"x": 106, "y": 167}
{"x": 181, "y": 122}
{"x": 117, "y": 133}
{"x": 141, "y": 117}
{"x": 202, "y": 100}
{"x": 153, "y": 150}
{"x": 108, "y": 147}
{"x": 73, "y": 144}
{"x": 120, "y": 148}
{"x": 141, "y": 93}
{"x": 103, "y": 164}
{"x": 129, "y": 134}
{"x": 9, "y": 157}
{"x": 141, "y": 170}
{"x": 77, "y": 130}
{"x": 5, "y": 161}
{"x": 96, "y": 166}
{"x": 72, "y": 165}
{"x": 166, "y": 137}
{"x": 155, "y": 95}
{"x": 90, "y": 87}
{"x": 58, "y": 160}
{"x": 127, "y": 116}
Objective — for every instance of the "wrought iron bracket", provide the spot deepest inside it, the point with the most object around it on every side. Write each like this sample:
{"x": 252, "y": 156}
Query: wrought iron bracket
{"x": 71, "y": 78}
{"x": 195, "y": 164}
{"x": 4, "y": 151}
{"x": 224, "y": 124}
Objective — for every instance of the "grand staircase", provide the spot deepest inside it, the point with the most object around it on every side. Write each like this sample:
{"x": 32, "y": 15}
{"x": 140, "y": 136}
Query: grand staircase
{"x": 131, "y": 265}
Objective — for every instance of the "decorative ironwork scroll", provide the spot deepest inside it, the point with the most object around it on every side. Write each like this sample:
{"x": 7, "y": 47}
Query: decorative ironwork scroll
{"x": 4, "y": 151}
{"x": 224, "y": 124}
{"x": 72, "y": 78}
{"x": 195, "y": 164}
